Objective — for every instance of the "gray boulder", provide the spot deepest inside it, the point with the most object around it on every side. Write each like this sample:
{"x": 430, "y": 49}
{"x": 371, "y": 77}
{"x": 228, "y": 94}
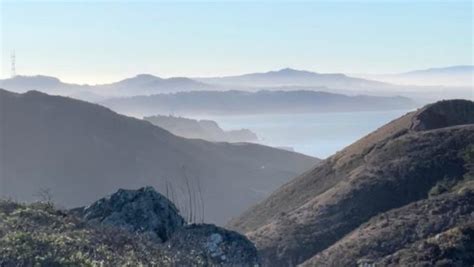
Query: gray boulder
{"x": 143, "y": 211}
{"x": 147, "y": 212}
{"x": 214, "y": 246}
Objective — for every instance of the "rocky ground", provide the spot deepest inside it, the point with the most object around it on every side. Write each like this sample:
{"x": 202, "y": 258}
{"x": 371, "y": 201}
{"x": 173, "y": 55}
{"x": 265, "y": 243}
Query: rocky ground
{"x": 142, "y": 211}
{"x": 39, "y": 235}
{"x": 128, "y": 228}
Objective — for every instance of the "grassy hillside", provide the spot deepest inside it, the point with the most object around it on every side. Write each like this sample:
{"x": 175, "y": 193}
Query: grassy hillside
{"x": 405, "y": 161}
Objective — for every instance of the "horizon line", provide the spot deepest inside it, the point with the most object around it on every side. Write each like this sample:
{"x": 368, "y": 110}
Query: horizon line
{"x": 194, "y": 77}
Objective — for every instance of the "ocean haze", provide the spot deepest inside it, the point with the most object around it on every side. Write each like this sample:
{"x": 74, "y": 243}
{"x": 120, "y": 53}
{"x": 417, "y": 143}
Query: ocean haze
{"x": 454, "y": 76}
{"x": 313, "y": 113}
{"x": 318, "y": 134}
{"x": 246, "y": 103}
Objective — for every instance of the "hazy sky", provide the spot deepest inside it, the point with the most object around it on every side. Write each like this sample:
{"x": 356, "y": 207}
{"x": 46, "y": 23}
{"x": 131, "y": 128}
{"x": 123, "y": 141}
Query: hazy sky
{"x": 95, "y": 42}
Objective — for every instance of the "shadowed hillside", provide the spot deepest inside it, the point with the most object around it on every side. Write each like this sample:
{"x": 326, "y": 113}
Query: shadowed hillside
{"x": 419, "y": 155}
{"x": 81, "y": 151}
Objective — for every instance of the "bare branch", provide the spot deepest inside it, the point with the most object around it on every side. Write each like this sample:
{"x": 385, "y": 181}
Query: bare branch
{"x": 45, "y": 196}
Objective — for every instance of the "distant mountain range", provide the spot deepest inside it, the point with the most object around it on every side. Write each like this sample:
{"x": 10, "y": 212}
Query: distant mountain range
{"x": 291, "y": 77}
{"x": 145, "y": 84}
{"x": 41, "y": 83}
{"x": 393, "y": 198}
{"x": 447, "y": 76}
{"x": 260, "y": 102}
{"x": 81, "y": 151}
{"x": 441, "y": 83}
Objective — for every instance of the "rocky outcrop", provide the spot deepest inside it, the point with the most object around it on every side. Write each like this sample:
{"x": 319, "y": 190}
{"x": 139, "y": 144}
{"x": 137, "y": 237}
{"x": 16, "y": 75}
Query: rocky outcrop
{"x": 215, "y": 246}
{"x": 39, "y": 235}
{"x": 408, "y": 160}
{"x": 152, "y": 216}
{"x": 143, "y": 211}
{"x": 444, "y": 114}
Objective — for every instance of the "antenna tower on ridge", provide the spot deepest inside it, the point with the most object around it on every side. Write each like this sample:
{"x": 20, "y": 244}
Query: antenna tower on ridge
{"x": 13, "y": 67}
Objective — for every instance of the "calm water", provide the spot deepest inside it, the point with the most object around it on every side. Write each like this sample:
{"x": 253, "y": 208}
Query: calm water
{"x": 319, "y": 135}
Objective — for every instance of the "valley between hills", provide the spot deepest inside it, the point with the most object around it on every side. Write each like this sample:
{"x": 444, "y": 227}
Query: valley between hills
{"x": 401, "y": 195}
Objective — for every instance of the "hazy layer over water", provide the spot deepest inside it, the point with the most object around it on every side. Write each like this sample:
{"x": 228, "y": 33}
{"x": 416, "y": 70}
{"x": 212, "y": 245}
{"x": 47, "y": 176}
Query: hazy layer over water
{"x": 319, "y": 135}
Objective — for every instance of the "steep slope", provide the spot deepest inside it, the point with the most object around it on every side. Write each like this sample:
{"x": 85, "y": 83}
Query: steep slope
{"x": 435, "y": 231}
{"x": 453, "y": 247}
{"x": 386, "y": 236}
{"x": 81, "y": 151}
{"x": 392, "y": 167}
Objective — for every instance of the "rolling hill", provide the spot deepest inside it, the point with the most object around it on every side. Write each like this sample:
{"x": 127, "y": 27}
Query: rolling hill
{"x": 142, "y": 84}
{"x": 145, "y": 84}
{"x": 292, "y": 77}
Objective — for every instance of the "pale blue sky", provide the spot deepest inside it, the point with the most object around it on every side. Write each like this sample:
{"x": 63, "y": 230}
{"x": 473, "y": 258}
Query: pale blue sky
{"x": 95, "y": 42}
